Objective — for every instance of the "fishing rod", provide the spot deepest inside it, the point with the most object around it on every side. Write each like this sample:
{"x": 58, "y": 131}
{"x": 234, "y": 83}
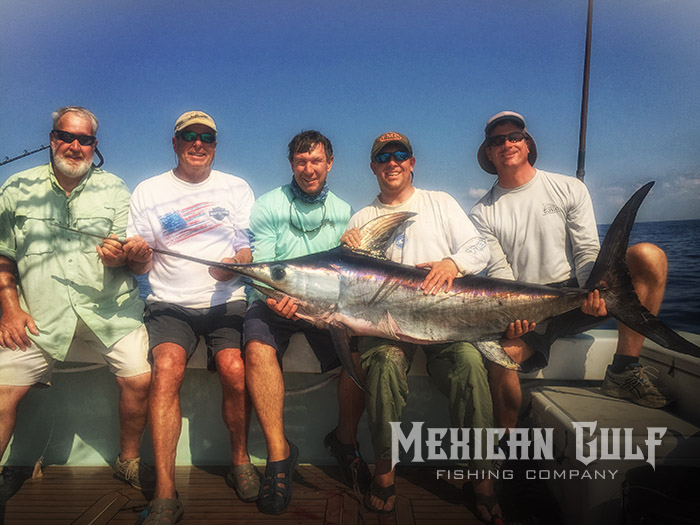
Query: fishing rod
{"x": 580, "y": 170}
{"x": 25, "y": 153}
{"x": 222, "y": 266}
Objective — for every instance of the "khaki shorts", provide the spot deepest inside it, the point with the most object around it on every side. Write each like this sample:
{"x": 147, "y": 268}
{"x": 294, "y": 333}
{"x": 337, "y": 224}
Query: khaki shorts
{"x": 125, "y": 358}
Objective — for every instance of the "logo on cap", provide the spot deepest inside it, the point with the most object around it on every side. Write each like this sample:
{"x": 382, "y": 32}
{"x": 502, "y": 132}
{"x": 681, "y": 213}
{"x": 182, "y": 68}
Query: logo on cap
{"x": 388, "y": 137}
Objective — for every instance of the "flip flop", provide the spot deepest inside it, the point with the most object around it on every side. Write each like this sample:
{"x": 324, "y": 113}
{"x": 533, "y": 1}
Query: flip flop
{"x": 383, "y": 493}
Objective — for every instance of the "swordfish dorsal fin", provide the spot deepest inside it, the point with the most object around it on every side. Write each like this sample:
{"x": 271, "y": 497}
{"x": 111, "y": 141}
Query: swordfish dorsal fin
{"x": 377, "y": 233}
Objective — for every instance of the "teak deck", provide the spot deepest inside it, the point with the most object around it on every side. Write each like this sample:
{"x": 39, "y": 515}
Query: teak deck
{"x": 90, "y": 495}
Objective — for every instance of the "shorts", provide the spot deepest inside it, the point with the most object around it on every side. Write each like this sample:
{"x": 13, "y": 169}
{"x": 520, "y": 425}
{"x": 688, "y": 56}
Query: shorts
{"x": 569, "y": 323}
{"x": 264, "y": 325}
{"x": 125, "y": 358}
{"x": 221, "y": 326}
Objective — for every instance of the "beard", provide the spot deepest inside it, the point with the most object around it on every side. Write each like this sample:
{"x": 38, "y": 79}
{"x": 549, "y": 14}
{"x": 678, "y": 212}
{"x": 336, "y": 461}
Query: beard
{"x": 72, "y": 170}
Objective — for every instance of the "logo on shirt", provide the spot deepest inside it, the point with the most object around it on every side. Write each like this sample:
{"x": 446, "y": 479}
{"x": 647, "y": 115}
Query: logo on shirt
{"x": 219, "y": 213}
{"x": 549, "y": 208}
{"x": 400, "y": 240}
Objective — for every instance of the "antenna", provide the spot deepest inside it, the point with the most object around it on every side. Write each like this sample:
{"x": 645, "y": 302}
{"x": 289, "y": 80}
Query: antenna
{"x": 580, "y": 170}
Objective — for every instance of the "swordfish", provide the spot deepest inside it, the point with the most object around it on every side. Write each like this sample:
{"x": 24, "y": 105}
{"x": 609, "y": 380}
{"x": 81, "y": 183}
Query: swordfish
{"x": 357, "y": 293}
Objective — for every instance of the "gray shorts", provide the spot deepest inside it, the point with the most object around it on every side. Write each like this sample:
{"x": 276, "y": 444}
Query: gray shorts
{"x": 221, "y": 326}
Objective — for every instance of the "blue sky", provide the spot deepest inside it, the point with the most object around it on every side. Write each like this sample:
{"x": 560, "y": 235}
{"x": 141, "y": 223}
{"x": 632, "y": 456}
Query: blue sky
{"x": 435, "y": 71}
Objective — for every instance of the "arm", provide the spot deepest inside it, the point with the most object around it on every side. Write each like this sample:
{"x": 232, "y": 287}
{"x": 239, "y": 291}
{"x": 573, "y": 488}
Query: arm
{"x": 14, "y": 322}
{"x": 498, "y": 265}
{"x": 583, "y": 232}
{"x": 468, "y": 250}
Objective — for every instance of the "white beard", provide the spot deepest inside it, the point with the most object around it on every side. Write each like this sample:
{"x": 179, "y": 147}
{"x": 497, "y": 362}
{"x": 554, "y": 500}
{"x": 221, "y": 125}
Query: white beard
{"x": 72, "y": 170}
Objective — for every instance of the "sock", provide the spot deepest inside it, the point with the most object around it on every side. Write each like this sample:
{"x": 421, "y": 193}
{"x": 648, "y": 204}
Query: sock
{"x": 621, "y": 362}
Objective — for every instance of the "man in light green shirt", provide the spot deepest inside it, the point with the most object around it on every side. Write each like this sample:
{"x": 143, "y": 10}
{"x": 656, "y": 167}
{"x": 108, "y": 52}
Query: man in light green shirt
{"x": 57, "y": 289}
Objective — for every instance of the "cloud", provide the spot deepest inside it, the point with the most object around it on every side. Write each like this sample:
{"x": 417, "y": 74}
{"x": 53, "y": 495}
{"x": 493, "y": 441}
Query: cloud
{"x": 477, "y": 193}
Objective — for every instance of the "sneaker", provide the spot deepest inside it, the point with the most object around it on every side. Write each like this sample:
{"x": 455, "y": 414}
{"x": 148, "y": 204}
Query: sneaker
{"x": 136, "y": 473}
{"x": 353, "y": 468}
{"x": 635, "y": 383}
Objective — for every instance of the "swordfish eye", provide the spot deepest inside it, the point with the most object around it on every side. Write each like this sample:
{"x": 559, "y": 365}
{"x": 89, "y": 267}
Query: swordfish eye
{"x": 277, "y": 272}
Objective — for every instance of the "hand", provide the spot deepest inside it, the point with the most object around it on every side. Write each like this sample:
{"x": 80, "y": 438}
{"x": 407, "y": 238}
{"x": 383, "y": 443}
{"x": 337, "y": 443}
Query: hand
{"x": 519, "y": 328}
{"x": 137, "y": 250}
{"x": 13, "y": 329}
{"x": 594, "y": 305}
{"x": 112, "y": 252}
{"x": 285, "y": 307}
{"x": 352, "y": 238}
{"x": 442, "y": 273}
{"x": 223, "y": 275}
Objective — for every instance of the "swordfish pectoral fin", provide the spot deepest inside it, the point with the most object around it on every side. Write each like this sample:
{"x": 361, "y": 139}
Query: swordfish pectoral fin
{"x": 493, "y": 351}
{"x": 341, "y": 342}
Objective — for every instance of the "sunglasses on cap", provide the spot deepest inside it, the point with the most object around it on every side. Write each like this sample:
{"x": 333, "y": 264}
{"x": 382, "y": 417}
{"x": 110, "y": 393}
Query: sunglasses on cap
{"x": 398, "y": 156}
{"x": 68, "y": 138}
{"x": 191, "y": 136}
{"x": 499, "y": 140}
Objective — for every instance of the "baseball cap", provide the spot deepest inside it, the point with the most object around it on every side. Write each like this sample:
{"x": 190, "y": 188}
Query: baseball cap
{"x": 190, "y": 118}
{"x": 390, "y": 137}
{"x": 500, "y": 118}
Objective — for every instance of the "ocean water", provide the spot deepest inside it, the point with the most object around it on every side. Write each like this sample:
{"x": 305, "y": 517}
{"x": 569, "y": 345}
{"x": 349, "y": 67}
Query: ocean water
{"x": 681, "y": 242}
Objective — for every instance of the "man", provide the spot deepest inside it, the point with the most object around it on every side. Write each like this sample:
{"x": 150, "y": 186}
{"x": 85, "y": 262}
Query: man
{"x": 193, "y": 210}
{"x": 296, "y": 219}
{"x": 70, "y": 293}
{"x": 441, "y": 239}
{"x": 540, "y": 228}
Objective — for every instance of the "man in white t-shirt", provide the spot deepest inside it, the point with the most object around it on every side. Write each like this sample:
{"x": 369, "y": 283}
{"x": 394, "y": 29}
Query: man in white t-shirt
{"x": 197, "y": 211}
{"x": 540, "y": 228}
{"x": 441, "y": 239}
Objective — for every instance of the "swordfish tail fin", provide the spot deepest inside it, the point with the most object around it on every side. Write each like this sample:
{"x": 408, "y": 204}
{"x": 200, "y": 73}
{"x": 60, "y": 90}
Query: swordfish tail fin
{"x": 611, "y": 276}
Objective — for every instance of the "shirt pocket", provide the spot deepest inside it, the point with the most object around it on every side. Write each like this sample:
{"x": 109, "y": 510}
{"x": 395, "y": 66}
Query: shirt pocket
{"x": 35, "y": 233}
{"x": 95, "y": 220}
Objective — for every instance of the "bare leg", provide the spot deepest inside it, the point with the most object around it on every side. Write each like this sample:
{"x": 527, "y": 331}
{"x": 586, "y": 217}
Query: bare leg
{"x": 169, "y": 362}
{"x": 133, "y": 412}
{"x": 235, "y": 403}
{"x": 351, "y": 404}
{"x": 10, "y": 396}
{"x": 505, "y": 384}
{"x": 266, "y": 389}
{"x": 648, "y": 269}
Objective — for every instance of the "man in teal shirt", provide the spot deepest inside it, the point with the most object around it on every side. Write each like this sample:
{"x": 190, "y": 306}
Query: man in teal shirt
{"x": 57, "y": 289}
{"x": 297, "y": 219}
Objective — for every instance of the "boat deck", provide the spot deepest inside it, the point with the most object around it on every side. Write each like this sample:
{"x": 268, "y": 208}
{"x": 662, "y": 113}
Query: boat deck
{"x": 90, "y": 495}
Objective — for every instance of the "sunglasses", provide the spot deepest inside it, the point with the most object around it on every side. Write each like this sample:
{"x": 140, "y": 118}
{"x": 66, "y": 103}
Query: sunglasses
{"x": 499, "y": 140}
{"x": 68, "y": 138}
{"x": 398, "y": 156}
{"x": 191, "y": 136}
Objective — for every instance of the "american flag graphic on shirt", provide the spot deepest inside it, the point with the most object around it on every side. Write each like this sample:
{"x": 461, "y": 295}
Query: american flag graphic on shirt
{"x": 199, "y": 218}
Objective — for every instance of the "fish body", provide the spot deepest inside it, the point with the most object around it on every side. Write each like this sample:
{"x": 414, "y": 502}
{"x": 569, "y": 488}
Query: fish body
{"x": 352, "y": 293}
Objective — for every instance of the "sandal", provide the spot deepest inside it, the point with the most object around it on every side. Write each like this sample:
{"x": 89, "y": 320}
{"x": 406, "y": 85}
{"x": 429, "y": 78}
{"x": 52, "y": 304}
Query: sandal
{"x": 488, "y": 502}
{"x": 245, "y": 480}
{"x": 353, "y": 468}
{"x": 275, "y": 491}
{"x": 164, "y": 511}
{"x": 383, "y": 493}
